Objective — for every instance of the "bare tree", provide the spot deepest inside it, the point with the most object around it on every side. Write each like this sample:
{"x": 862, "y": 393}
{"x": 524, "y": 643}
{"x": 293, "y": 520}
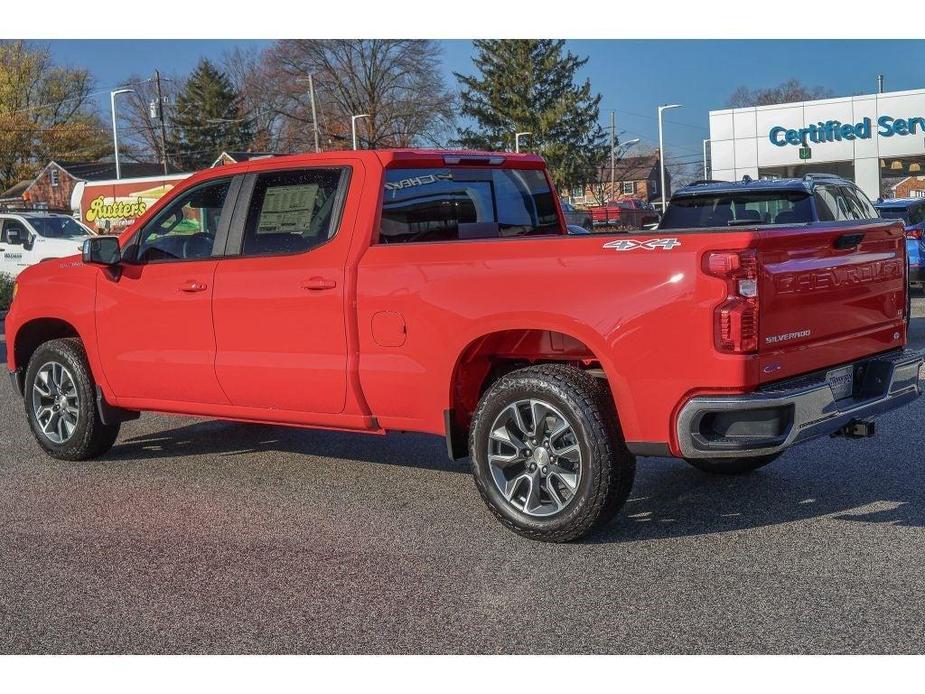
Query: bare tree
{"x": 787, "y": 92}
{"x": 141, "y": 132}
{"x": 262, "y": 99}
{"x": 397, "y": 82}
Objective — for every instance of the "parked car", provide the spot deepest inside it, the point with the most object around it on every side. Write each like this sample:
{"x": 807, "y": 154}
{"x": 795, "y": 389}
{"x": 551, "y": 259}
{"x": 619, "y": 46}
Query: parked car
{"x": 647, "y": 213}
{"x": 911, "y": 211}
{"x": 811, "y": 199}
{"x": 27, "y": 238}
{"x": 575, "y": 229}
{"x": 619, "y": 214}
{"x": 573, "y": 215}
{"x": 438, "y": 292}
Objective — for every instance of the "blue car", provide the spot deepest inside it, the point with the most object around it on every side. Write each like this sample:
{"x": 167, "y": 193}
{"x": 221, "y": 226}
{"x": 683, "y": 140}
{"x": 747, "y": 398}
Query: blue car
{"x": 912, "y": 212}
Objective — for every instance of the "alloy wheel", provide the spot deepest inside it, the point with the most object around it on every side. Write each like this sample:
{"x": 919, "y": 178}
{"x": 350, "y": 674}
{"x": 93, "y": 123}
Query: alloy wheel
{"x": 534, "y": 457}
{"x": 56, "y": 402}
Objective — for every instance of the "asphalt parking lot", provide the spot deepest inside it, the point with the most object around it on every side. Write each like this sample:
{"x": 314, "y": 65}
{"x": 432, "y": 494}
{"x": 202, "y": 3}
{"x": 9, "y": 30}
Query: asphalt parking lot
{"x": 197, "y": 536}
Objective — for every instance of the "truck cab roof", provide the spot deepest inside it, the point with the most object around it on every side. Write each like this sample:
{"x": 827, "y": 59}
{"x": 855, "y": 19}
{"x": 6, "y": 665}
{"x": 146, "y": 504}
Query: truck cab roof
{"x": 806, "y": 184}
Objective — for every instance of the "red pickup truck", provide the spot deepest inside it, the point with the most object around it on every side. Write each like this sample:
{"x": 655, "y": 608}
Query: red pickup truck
{"x": 627, "y": 214}
{"x": 439, "y": 292}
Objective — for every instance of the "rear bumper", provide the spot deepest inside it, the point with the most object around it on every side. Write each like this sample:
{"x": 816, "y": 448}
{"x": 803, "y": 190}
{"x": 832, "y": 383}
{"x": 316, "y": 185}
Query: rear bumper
{"x": 790, "y": 412}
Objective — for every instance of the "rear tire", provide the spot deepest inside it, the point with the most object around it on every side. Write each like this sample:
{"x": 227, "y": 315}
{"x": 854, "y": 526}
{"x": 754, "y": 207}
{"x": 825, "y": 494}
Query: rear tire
{"x": 60, "y": 402}
{"x": 560, "y": 479}
{"x": 732, "y": 466}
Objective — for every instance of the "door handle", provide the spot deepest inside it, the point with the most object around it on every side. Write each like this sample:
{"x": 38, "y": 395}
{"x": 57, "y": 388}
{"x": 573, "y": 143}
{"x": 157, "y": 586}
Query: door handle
{"x": 193, "y": 286}
{"x": 318, "y": 283}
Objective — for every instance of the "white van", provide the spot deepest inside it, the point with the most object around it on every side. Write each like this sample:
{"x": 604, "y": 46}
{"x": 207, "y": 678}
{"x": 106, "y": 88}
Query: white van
{"x": 27, "y": 238}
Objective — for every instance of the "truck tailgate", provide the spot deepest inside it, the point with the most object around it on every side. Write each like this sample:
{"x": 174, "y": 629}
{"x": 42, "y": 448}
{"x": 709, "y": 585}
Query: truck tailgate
{"x": 829, "y": 295}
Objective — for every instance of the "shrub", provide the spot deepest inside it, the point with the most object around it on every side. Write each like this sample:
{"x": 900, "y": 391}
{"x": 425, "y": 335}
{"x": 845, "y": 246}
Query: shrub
{"x": 6, "y": 290}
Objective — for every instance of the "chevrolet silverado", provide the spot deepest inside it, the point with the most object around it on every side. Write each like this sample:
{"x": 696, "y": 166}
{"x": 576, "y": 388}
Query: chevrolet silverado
{"x": 439, "y": 292}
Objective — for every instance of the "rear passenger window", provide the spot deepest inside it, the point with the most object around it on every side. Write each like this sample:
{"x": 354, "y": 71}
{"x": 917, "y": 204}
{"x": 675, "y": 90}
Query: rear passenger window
{"x": 446, "y": 204}
{"x": 864, "y": 209}
{"x": 292, "y": 211}
{"x": 843, "y": 204}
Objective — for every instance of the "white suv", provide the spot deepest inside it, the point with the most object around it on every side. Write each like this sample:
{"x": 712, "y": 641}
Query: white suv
{"x": 27, "y": 238}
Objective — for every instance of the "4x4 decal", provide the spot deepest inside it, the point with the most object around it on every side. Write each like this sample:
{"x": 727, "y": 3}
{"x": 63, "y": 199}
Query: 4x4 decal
{"x": 648, "y": 244}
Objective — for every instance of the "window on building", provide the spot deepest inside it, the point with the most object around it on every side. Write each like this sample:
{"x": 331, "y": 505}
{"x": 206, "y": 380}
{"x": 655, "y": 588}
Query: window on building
{"x": 292, "y": 211}
{"x": 53, "y": 175}
{"x": 465, "y": 203}
{"x": 629, "y": 187}
{"x": 917, "y": 194}
{"x": 653, "y": 187}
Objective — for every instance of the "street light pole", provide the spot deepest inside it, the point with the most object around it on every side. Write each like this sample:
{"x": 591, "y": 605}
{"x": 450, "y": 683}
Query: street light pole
{"x": 661, "y": 149}
{"x": 706, "y": 175}
{"x": 311, "y": 98}
{"x": 115, "y": 134}
{"x": 613, "y": 154}
{"x": 517, "y": 137}
{"x": 160, "y": 117}
{"x": 353, "y": 126}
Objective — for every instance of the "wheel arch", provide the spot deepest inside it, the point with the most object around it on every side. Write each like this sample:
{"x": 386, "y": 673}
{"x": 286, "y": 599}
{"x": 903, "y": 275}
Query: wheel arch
{"x": 35, "y": 332}
{"x": 494, "y": 353}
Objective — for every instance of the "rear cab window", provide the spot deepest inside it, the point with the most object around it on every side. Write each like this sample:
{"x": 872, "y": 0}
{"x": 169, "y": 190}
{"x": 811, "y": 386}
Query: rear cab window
{"x": 466, "y": 203}
{"x": 743, "y": 208}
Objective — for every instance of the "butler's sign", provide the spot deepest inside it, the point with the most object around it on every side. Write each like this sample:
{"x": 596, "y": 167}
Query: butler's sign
{"x": 836, "y": 131}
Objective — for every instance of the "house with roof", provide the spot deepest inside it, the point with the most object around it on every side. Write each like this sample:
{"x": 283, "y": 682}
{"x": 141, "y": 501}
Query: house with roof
{"x": 12, "y": 196}
{"x": 909, "y": 187}
{"x": 53, "y": 188}
{"x": 633, "y": 177}
{"x": 237, "y": 157}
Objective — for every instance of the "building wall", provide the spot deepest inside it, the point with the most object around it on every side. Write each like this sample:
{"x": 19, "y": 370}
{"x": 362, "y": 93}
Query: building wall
{"x": 43, "y": 190}
{"x": 740, "y": 139}
{"x": 912, "y": 187}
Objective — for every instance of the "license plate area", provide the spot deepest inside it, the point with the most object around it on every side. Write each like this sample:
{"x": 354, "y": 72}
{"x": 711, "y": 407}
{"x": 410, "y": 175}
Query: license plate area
{"x": 841, "y": 381}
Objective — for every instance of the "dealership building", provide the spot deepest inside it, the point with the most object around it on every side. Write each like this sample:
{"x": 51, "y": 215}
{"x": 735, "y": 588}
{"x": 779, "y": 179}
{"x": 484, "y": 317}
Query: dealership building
{"x": 876, "y": 140}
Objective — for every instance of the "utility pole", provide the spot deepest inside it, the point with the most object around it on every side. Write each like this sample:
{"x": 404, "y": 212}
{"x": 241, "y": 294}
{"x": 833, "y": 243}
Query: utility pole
{"x": 311, "y": 98}
{"x": 160, "y": 117}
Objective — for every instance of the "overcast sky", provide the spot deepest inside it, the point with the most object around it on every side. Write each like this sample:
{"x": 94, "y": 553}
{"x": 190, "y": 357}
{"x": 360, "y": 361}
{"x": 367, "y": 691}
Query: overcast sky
{"x": 633, "y": 76}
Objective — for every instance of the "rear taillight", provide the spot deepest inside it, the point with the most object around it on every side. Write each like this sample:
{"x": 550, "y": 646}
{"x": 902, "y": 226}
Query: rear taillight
{"x": 914, "y": 234}
{"x": 736, "y": 318}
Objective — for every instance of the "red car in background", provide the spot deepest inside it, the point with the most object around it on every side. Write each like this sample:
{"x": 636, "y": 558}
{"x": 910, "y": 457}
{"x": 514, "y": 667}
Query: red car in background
{"x": 630, "y": 213}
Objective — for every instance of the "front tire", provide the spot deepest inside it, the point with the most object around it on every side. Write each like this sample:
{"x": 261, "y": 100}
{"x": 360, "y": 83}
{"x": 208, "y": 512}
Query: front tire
{"x": 60, "y": 401}
{"x": 547, "y": 453}
{"x": 732, "y": 466}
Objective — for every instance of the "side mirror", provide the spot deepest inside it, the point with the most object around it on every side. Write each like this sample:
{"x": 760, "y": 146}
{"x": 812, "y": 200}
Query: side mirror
{"x": 102, "y": 250}
{"x": 15, "y": 236}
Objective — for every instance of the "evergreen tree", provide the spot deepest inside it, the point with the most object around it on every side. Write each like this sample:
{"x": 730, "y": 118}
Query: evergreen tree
{"x": 207, "y": 118}
{"x": 530, "y": 85}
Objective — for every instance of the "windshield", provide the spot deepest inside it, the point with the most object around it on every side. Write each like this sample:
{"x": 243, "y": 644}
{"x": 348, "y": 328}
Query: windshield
{"x": 57, "y": 227}
{"x": 738, "y": 209}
